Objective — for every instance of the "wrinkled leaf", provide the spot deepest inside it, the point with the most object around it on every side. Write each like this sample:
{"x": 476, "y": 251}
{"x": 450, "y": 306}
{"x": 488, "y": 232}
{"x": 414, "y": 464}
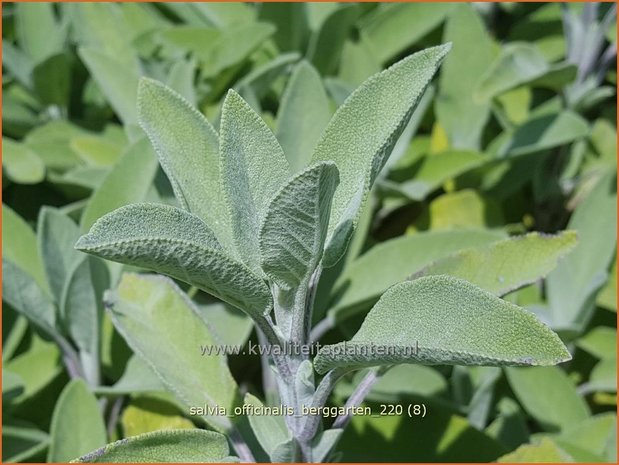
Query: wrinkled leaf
{"x": 253, "y": 167}
{"x": 293, "y": 233}
{"x": 360, "y": 154}
{"x": 507, "y": 265}
{"x": 188, "y": 446}
{"x": 174, "y": 242}
{"x": 445, "y": 320}
{"x": 188, "y": 150}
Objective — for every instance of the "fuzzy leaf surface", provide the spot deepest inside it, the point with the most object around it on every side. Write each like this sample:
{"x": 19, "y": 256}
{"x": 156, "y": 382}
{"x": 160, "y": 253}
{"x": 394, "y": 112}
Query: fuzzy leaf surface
{"x": 395, "y": 260}
{"x": 188, "y": 150}
{"x": 507, "y": 265}
{"x": 303, "y": 115}
{"x": 451, "y": 322}
{"x": 253, "y": 167}
{"x": 172, "y": 446}
{"x": 362, "y": 133}
{"x": 162, "y": 326}
{"x": 176, "y": 243}
{"x": 293, "y": 233}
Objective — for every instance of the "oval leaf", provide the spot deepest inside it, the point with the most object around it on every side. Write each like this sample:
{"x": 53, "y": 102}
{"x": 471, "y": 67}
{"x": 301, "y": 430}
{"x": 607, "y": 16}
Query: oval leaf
{"x": 77, "y": 424}
{"x": 304, "y": 112}
{"x": 294, "y": 229}
{"x": 128, "y": 182}
{"x": 253, "y": 167}
{"x": 175, "y": 446}
{"x": 188, "y": 150}
{"x": 57, "y": 234}
{"x": 22, "y": 293}
{"x": 507, "y": 265}
{"x": 445, "y": 320}
{"x": 363, "y": 131}
{"x": 163, "y": 327}
{"x": 174, "y": 242}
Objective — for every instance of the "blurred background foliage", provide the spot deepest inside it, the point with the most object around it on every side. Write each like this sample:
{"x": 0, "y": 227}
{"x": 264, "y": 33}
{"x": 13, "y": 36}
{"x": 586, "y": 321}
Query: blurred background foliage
{"x": 517, "y": 133}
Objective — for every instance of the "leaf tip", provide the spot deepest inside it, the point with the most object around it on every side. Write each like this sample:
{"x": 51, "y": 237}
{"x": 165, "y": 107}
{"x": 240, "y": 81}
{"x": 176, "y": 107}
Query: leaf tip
{"x": 82, "y": 243}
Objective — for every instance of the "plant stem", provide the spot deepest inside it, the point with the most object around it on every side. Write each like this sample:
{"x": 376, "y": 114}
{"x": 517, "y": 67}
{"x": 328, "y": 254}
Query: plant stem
{"x": 70, "y": 358}
{"x": 310, "y": 297}
{"x": 240, "y": 446}
{"x": 358, "y": 395}
{"x": 321, "y": 328}
{"x": 321, "y": 395}
{"x": 268, "y": 380}
{"x": 112, "y": 419}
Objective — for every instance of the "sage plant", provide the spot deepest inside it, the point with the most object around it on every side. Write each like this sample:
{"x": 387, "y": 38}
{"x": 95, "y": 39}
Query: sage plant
{"x": 257, "y": 235}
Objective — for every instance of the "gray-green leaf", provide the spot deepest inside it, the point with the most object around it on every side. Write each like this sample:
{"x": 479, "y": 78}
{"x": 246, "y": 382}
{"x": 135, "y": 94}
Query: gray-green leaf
{"x": 549, "y": 396}
{"x": 188, "y": 150}
{"x": 507, "y": 265}
{"x": 270, "y": 430}
{"x": 303, "y": 115}
{"x": 572, "y": 286}
{"x": 293, "y": 233}
{"x": 77, "y": 425}
{"x": 463, "y": 118}
{"x": 19, "y": 245}
{"x": 253, "y": 167}
{"x": 22, "y": 293}
{"x": 79, "y": 307}
{"x": 445, "y": 320}
{"x": 392, "y": 261}
{"x": 174, "y": 242}
{"x": 128, "y": 182}
{"x": 172, "y": 446}
{"x": 162, "y": 326}
{"x": 57, "y": 234}
{"x": 20, "y": 164}
{"x": 362, "y": 133}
